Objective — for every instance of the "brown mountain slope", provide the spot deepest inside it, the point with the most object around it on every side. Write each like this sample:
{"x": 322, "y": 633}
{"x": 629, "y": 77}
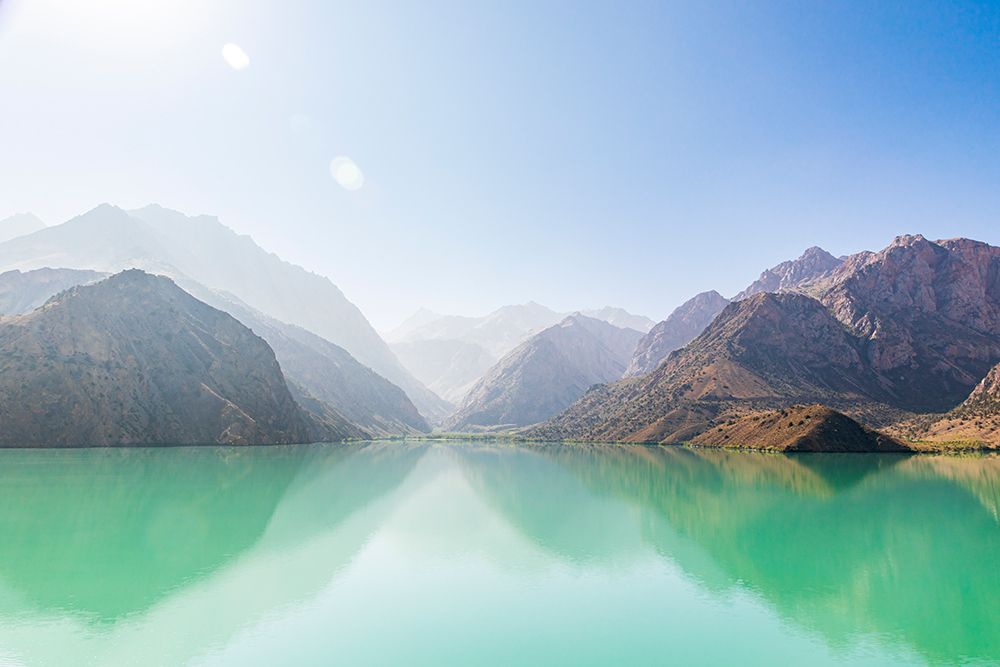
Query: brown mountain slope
{"x": 909, "y": 329}
{"x": 799, "y": 428}
{"x": 680, "y": 328}
{"x": 136, "y": 360}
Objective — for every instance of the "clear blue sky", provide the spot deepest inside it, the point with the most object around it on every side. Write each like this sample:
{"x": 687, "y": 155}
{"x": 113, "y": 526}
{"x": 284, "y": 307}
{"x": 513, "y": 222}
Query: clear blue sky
{"x": 578, "y": 154}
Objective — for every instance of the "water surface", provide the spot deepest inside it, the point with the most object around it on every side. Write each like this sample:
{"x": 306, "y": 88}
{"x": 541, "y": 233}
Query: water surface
{"x": 468, "y": 554}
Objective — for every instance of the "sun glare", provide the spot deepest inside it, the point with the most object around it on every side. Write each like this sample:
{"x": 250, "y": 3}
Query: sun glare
{"x": 347, "y": 173}
{"x": 235, "y": 56}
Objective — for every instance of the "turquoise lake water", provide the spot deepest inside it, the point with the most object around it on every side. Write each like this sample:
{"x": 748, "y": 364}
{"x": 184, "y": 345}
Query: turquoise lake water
{"x": 470, "y": 554}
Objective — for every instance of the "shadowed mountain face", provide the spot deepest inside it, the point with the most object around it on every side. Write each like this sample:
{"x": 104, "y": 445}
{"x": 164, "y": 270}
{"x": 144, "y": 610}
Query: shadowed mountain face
{"x": 815, "y": 263}
{"x": 975, "y": 420}
{"x": 22, "y": 292}
{"x": 929, "y": 313}
{"x": 909, "y": 329}
{"x": 546, "y": 373}
{"x": 136, "y": 360}
{"x": 200, "y": 248}
{"x": 680, "y": 328}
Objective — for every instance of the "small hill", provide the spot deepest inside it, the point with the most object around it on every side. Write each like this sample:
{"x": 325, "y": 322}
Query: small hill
{"x": 545, "y": 374}
{"x": 135, "y": 360}
{"x": 799, "y": 428}
{"x": 680, "y": 328}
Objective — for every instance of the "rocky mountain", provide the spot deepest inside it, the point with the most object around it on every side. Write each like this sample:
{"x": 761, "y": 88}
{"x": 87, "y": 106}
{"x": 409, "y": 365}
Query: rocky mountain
{"x": 321, "y": 375}
{"x": 22, "y": 292}
{"x": 799, "y": 428}
{"x": 200, "y": 248}
{"x": 814, "y": 263}
{"x": 19, "y": 225}
{"x": 448, "y": 367}
{"x": 546, "y": 373}
{"x": 911, "y": 328}
{"x": 680, "y": 328}
{"x": 135, "y": 360}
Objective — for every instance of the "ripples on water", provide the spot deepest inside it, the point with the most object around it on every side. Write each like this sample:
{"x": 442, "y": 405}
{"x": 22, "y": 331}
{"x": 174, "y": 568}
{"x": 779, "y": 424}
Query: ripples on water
{"x": 466, "y": 554}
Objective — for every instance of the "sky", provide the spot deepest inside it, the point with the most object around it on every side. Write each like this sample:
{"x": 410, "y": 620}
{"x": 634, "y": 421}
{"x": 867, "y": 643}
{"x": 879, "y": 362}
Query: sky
{"x": 461, "y": 156}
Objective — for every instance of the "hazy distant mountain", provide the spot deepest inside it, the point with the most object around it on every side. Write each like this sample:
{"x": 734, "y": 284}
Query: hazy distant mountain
{"x": 136, "y": 360}
{"x": 680, "y": 328}
{"x": 200, "y": 248}
{"x": 447, "y": 367}
{"x": 22, "y": 292}
{"x": 546, "y": 373}
{"x": 814, "y": 263}
{"x": 326, "y": 372}
{"x": 19, "y": 225}
{"x": 912, "y": 328}
{"x": 621, "y": 318}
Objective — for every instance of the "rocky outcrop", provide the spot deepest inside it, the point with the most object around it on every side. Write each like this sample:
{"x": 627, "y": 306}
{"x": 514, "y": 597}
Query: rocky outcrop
{"x": 976, "y": 420}
{"x": 929, "y": 313}
{"x": 814, "y": 264}
{"x": 680, "y": 328}
{"x": 546, "y": 374}
{"x": 135, "y": 360}
{"x": 798, "y": 428}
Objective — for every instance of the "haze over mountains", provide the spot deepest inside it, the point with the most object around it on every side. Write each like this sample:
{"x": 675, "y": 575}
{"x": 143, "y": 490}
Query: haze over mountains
{"x": 201, "y": 249}
{"x": 902, "y": 339}
{"x": 449, "y": 353}
{"x": 135, "y": 360}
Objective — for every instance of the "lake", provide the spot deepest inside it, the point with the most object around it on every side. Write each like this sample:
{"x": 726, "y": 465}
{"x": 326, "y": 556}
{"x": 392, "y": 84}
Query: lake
{"x": 470, "y": 554}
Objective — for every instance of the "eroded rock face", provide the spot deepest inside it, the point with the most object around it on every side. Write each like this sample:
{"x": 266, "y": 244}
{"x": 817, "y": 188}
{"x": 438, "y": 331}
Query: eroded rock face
{"x": 136, "y": 360}
{"x": 814, "y": 264}
{"x": 930, "y": 313}
{"x": 680, "y": 328}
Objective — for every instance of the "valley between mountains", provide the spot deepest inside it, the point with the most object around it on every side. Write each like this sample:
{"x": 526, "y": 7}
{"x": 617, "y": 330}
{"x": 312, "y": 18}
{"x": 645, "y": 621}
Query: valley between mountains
{"x": 151, "y": 327}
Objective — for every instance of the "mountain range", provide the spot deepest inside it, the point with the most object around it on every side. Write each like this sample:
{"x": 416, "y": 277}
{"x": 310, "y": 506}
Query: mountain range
{"x": 910, "y": 329}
